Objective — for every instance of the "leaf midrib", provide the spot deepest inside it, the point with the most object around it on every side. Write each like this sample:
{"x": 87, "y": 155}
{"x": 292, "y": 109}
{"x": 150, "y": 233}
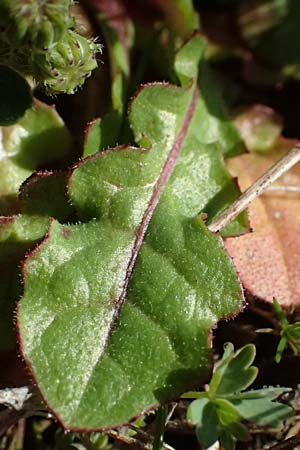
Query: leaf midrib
{"x": 160, "y": 184}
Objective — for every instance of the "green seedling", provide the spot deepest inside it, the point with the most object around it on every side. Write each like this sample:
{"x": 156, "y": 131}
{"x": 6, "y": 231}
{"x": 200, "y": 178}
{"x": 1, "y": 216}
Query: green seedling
{"x": 290, "y": 333}
{"x": 218, "y": 412}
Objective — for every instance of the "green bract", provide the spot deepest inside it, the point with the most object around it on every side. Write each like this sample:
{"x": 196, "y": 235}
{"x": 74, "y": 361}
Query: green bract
{"x": 117, "y": 308}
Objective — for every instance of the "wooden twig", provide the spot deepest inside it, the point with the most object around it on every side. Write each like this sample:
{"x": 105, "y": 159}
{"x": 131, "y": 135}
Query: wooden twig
{"x": 287, "y": 444}
{"x": 134, "y": 442}
{"x": 282, "y": 166}
{"x": 284, "y": 188}
{"x": 128, "y": 440}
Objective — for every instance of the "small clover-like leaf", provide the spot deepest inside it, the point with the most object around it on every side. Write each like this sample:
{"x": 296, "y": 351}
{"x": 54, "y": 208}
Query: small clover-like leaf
{"x": 238, "y": 374}
{"x": 228, "y": 406}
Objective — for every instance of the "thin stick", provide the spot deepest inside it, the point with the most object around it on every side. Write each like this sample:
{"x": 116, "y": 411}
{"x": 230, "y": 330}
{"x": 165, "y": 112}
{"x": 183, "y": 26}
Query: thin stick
{"x": 129, "y": 440}
{"x": 288, "y": 444}
{"x": 284, "y": 188}
{"x": 134, "y": 442}
{"x": 282, "y": 166}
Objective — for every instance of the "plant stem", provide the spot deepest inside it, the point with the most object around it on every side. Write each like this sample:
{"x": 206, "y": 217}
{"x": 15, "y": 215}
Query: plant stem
{"x": 263, "y": 183}
{"x": 19, "y": 435}
{"x": 160, "y": 424}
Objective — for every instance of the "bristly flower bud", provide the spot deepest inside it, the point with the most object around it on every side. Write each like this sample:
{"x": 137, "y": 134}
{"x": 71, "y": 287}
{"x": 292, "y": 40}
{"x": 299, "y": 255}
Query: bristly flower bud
{"x": 65, "y": 66}
{"x": 37, "y": 39}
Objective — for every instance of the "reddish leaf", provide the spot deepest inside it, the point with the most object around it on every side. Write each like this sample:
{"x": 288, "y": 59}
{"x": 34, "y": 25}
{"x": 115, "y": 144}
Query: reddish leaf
{"x": 268, "y": 259}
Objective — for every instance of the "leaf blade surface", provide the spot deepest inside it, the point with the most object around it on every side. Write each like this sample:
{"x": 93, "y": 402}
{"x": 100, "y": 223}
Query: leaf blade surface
{"x": 100, "y": 360}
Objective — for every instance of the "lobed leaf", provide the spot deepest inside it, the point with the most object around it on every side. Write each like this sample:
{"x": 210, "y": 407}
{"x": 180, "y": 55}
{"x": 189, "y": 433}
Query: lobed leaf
{"x": 116, "y": 309}
{"x": 238, "y": 374}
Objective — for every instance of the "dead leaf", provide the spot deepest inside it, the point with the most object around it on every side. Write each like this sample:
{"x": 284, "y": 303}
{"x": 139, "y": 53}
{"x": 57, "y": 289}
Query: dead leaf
{"x": 268, "y": 259}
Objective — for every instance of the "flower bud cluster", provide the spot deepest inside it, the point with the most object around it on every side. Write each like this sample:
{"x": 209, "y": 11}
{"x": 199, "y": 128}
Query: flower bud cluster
{"x": 38, "y": 38}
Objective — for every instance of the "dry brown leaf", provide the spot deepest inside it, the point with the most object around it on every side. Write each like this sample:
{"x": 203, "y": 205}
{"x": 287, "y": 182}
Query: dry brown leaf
{"x": 268, "y": 259}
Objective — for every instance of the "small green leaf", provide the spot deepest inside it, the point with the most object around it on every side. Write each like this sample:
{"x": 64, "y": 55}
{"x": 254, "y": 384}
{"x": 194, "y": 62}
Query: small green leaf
{"x": 263, "y": 410}
{"x": 35, "y": 140}
{"x": 239, "y": 431}
{"x": 270, "y": 392}
{"x": 180, "y": 16}
{"x": 102, "y": 133}
{"x": 227, "y": 413}
{"x": 256, "y": 406}
{"x": 207, "y": 428}
{"x": 187, "y": 60}
{"x": 280, "y": 348}
{"x": 280, "y": 313}
{"x": 238, "y": 374}
{"x": 290, "y": 333}
{"x": 195, "y": 410}
{"x": 227, "y": 440}
{"x": 15, "y": 95}
{"x": 220, "y": 368}
{"x": 293, "y": 330}
{"x": 160, "y": 424}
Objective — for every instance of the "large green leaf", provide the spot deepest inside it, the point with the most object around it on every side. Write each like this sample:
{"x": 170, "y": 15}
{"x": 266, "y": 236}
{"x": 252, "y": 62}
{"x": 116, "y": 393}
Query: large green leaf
{"x": 116, "y": 309}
